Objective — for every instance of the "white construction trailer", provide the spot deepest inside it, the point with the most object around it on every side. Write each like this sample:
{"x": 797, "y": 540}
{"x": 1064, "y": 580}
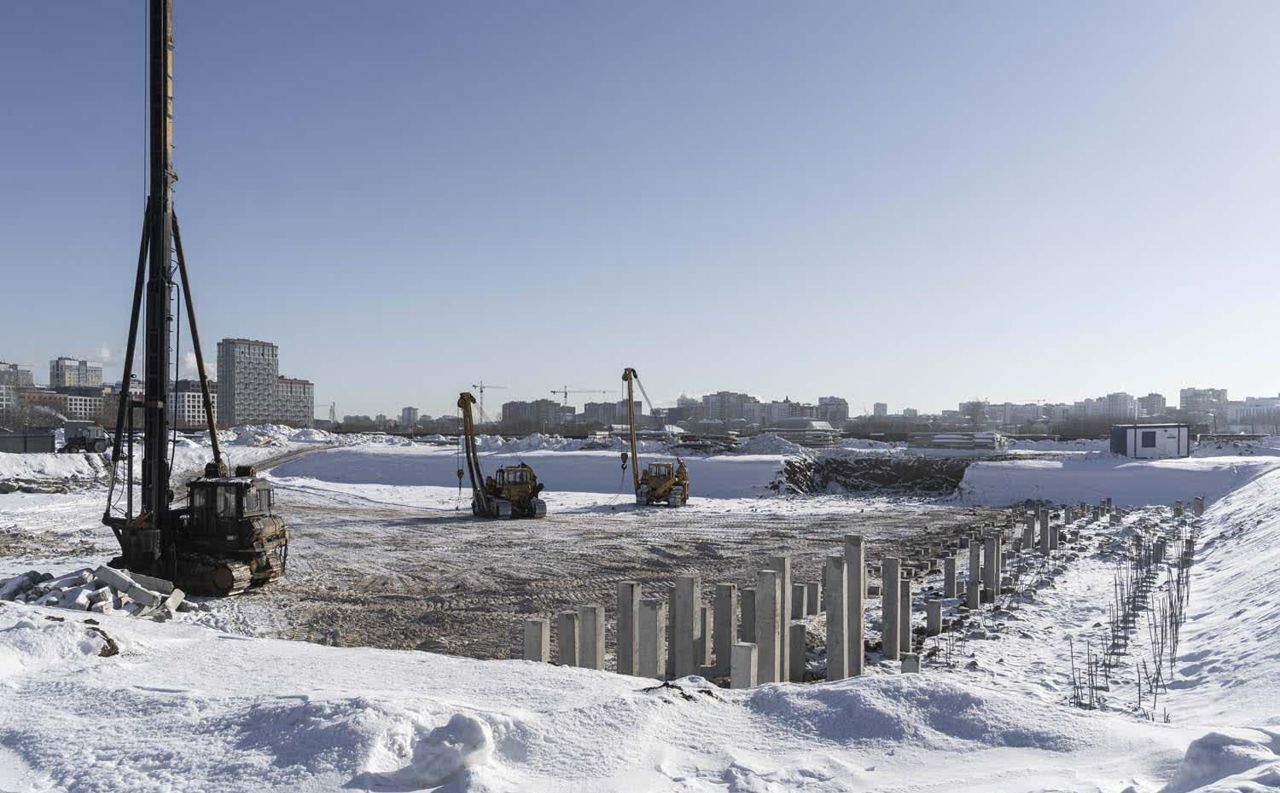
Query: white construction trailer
{"x": 1151, "y": 441}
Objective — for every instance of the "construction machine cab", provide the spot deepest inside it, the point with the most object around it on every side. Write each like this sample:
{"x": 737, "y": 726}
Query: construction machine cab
{"x": 229, "y": 531}
{"x": 516, "y": 476}
{"x": 659, "y": 470}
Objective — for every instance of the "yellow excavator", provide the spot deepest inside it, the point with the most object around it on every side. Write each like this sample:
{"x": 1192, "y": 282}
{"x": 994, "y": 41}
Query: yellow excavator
{"x": 510, "y": 493}
{"x": 660, "y": 482}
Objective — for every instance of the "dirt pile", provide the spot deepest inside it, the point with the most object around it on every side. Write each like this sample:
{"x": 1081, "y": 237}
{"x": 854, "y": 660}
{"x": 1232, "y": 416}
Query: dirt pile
{"x": 929, "y": 475}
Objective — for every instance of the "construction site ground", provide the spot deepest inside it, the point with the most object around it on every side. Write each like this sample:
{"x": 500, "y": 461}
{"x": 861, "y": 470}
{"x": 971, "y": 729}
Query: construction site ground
{"x": 409, "y": 567}
{"x": 366, "y": 574}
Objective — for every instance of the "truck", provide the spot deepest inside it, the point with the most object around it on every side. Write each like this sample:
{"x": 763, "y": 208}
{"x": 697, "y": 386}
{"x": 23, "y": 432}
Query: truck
{"x": 83, "y": 436}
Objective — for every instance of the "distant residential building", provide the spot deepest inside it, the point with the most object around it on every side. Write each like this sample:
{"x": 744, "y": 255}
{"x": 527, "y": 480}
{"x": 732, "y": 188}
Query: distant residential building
{"x": 1152, "y": 404}
{"x": 774, "y": 412}
{"x": 16, "y": 375}
{"x": 726, "y": 405}
{"x": 879, "y": 409}
{"x": 74, "y": 373}
{"x": 83, "y": 404}
{"x": 111, "y": 403}
{"x": 247, "y": 374}
{"x": 8, "y": 403}
{"x": 186, "y": 405}
{"x": 1057, "y": 411}
{"x": 910, "y": 413}
{"x": 833, "y": 410}
{"x": 1120, "y": 405}
{"x": 1202, "y": 400}
{"x": 1011, "y": 414}
{"x": 295, "y": 402}
{"x": 536, "y": 416}
{"x": 251, "y": 390}
{"x": 605, "y": 413}
{"x": 408, "y": 417}
{"x": 1254, "y": 411}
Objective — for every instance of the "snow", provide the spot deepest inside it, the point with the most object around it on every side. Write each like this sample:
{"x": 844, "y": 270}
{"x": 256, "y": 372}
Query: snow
{"x": 183, "y": 706}
{"x": 1067, "y": 480}
{"x": 599, "y": 472}
{"x": 209, "y": 711}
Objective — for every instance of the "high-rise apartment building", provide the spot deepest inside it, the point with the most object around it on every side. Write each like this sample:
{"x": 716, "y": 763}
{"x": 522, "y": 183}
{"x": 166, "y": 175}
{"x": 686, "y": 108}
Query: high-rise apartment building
{"x": 74, "y": 373}
{"x": 408, "y": 418}
{"x": 247, "y": 374}
{"x": 251, "y": 390}
{"x": 295, "y": 402}
{"x": 1152, "y": 404}
{"x": 1202, "y": 400}
{"x": 16, "y": 375}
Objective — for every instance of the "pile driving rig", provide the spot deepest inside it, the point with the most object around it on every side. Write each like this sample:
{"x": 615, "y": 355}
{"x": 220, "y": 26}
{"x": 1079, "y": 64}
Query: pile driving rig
{"x": 226, "y": 539}
{"x": 660, "y": 482}
{"x": 512, "y": 492}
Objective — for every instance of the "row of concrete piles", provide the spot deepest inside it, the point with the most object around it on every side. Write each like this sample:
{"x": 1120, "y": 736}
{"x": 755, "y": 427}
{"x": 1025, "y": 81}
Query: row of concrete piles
{"x": 757, "y": 634}
{"x": 749, "y": 635}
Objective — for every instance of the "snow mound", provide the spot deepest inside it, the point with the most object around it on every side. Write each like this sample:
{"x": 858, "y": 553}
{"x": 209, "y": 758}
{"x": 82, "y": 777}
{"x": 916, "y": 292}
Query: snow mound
{"x": 32, "y": 643}
{"x": 439, "y": 756}
{"x": 1221, "y": 762}
{"x": 58, "y": 467}
{"x": 771, "y": 443}
{"x": 936, "y": 711}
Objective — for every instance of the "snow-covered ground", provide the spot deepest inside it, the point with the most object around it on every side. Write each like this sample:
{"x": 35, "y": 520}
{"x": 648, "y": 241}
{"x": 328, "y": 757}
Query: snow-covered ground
{"x": 598, "y": 472}
{"x": 186, "y": 707}
{"x": 1096, "y": 476}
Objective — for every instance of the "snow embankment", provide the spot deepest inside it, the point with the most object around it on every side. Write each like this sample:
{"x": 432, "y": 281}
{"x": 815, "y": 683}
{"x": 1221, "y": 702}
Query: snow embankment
{"x": 1093, "y": 477}
{"x": 1227, "y": 676}
{"x": 725, "y": 476}
{"x": 53, "y": 467}
{"x": 251, "y": 445}
{"x": 303, "y": 717}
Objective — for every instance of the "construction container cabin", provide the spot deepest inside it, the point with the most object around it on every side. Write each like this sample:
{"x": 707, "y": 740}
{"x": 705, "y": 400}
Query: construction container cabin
{"x": 1151, "y": 441}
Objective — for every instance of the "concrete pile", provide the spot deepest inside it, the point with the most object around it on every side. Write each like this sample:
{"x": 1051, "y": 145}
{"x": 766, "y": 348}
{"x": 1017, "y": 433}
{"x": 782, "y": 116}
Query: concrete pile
{"x": 102, "y": 591}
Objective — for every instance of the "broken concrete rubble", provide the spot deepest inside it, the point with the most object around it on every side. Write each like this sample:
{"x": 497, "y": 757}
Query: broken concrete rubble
{"x": 101, "y": 591}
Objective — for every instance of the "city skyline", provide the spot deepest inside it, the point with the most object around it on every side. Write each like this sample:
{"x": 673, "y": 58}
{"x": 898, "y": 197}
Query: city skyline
{"x": 504, "y": 394}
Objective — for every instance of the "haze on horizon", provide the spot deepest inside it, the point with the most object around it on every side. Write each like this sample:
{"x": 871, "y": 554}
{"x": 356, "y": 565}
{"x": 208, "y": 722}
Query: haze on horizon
{"x": 911, "y": 203}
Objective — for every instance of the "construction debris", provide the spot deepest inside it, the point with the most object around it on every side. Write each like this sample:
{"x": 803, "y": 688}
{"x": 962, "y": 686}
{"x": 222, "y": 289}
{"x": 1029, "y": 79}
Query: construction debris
{"x": 102, "y": 591}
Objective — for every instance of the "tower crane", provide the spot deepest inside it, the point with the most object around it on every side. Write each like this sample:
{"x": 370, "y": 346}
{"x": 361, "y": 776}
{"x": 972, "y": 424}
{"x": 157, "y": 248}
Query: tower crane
{"x": 660, "y": 482}
{"x": 480, "y": 388}
{"x": 565, "y": 391}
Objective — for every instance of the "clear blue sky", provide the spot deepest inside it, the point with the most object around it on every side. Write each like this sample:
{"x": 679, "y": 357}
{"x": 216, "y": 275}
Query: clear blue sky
{"x": 910, "y": 202}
